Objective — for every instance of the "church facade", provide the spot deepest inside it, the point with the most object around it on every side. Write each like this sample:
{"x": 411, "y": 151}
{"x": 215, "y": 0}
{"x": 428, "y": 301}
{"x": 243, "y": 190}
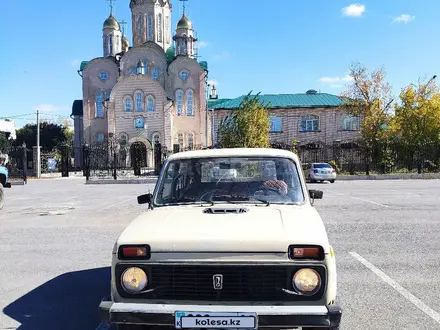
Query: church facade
{"x": 152, "y": 92}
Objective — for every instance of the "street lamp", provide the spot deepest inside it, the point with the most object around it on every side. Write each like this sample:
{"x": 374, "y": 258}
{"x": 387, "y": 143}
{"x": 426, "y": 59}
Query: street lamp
{"x": 213, "y": 95}
{"x": 140, "y": 67}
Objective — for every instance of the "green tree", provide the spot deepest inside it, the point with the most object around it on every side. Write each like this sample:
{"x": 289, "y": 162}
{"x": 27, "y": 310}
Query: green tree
{"x": 248, "y": 126}
{"x": 416, "y": 123}
{"x": 369, "y": 98}
{"x": 51, "y": 135}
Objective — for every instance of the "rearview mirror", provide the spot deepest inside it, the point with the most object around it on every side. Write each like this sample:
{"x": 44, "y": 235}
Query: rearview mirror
{"x": 145, "y": 199}
{"x": 316, "y": 194}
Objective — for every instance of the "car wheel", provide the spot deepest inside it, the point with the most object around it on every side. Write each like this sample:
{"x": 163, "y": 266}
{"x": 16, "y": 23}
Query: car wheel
{"x": 310, "y": 179}
{"x": 332, "y": 181}
{"x": 2, "y": 197}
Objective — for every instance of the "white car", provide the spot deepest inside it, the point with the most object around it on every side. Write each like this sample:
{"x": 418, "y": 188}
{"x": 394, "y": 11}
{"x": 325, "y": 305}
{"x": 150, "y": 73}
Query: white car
{"x": 241, "y": 251}
{"x": 321, "y": 172}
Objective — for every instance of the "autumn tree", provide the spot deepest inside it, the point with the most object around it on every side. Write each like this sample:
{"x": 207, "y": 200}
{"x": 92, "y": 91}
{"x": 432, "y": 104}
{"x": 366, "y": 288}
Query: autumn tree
{"x": 417, "y": 121}
{"x": 369, "y": 98}
{"x": 246, "y": 127}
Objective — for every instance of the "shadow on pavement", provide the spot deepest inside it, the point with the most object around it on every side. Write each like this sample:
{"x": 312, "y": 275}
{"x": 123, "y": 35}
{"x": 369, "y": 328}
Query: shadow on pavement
{"x": 67, "y": 302}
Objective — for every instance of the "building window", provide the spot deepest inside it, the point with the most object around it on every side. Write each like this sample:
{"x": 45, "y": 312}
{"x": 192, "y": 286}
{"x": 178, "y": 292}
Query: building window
{"x": 350, "y": 123}
{"x": 139, "y": 123}
{"x": 189, "y": 103}
{"x": 155, "y": 74}
{"x": 309, "y": 123}
{"x": 139, "y": 103}
{"x": 156, "y": 139}
{"x": 179, "y": 97}
{"x": 184, "y": 75}
{"x": 128, "y": 105}
{"x": 132, "y": 71}
{"x": 180, "y": 141}
{"x": 99, "y": 106}
{"x": 100, "y": 137}
{"x": 159, "y": 28}
{"x": 276, "y": 125}
{"x": 103, "y": 75}
{"x": 145, "y": 63}
{"x": 190, "y": 141}
{"x": 150, "y": 104}
{"x": 167, "y": 29}
{"x": 110, "y": 42}
{"x": 140, "y": 28}
{"x": 150, "y": 27}
{"x": 123, "y": 140}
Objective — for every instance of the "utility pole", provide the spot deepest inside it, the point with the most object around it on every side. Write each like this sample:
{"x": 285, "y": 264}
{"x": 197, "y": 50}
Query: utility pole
{"x": 38, "y": 146}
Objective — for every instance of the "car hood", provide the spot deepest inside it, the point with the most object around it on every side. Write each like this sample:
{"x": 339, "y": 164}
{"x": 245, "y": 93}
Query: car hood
{"x": 256, "y": 229}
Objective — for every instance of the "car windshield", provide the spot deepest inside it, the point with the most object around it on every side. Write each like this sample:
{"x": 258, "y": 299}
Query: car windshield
{"x": 232, "y": 180}
{"x": 322, "y": 166}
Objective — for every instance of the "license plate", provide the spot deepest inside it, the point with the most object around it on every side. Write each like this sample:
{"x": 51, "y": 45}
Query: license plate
{"x": 194, "y": 320}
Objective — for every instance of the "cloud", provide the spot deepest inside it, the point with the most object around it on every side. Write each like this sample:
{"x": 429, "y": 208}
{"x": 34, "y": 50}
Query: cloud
{"x": 221, "y": 56}
{"x": 353, "y": 10}
{"x": 202, "y": 44}
{"x": 335, "y": 82}
{"x": 404, "y": 18}
{"x": 52, "y": 107}
{"x": 75, "y": 62}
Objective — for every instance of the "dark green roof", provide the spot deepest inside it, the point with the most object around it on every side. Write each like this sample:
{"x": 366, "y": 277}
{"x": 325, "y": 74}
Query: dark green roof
{"x": 184, "y": 23}
{"x": 204, "y": 65}
{"x": 214, "y": 103}
{"x": 77, "y": 108}
{"x": 301, "y": 100}
{"x": 83, "y": 65}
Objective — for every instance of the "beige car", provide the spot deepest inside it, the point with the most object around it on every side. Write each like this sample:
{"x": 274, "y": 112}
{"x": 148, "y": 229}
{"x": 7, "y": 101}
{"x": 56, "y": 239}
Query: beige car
{"x": 230, "y": 240}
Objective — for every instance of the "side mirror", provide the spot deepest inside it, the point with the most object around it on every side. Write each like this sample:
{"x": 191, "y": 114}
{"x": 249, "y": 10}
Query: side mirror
{"x": 316, "y": 194}
{"x": 145, "y": 199}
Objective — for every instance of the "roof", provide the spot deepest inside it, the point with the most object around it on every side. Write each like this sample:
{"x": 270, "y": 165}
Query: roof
{"x": 83, "y": 65}
{"x": 214, "y": 102}
{"x": 310, "y": 99}
{"x": 234, "y": 152}
{"x": 77, "y": 108}
{"x": 184, "y": 23}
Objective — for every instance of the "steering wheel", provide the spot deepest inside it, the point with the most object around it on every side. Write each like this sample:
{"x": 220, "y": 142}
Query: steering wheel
{"x": 267, "y": 189}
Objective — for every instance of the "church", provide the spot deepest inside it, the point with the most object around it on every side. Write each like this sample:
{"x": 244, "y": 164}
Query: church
{"x": 153, "y": 91}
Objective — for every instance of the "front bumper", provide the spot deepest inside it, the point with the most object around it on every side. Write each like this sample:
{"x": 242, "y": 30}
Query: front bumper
{"x": 268, "y": 316}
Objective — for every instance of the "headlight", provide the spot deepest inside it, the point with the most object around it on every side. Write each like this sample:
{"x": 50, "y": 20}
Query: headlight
{"x": 307, "y": 281}
{"x": 134, "y": 280}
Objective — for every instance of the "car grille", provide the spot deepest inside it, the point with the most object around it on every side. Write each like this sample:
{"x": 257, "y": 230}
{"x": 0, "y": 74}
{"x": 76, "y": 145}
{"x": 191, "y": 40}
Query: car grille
{"x": 240, "y": 283}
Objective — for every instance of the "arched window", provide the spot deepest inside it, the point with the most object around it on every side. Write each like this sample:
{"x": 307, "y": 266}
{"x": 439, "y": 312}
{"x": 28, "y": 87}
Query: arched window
{"x": 159, "y": 28}
{"x": 123, "y": 139}
{"x": 156, "y": 138}
{"x": 190, "y": 141}
{"x": 140, "y": 27}
{"x": 167, "y": 28}
{"x": 139, "y": 102}
{"x": 185, "y": 45}
{"x": 155, "y": 74}
{"x": 132, "y": 71}
{"x": 110, "y": 42}
{"x": 179, "y": 99}
{"x": 189, "y": 102}
{"x": 128, "y": 105}
{"x": 150, "y": 104}
{"x": 180, "y": 140}
{"x": 100, "y": 137}
{"x": 99, "y": 106}
{"x": 309, "y": 123}
{"x": 145, "y": 62}
{"x": 350, "y": 123}
{"x": 150, "y": 27}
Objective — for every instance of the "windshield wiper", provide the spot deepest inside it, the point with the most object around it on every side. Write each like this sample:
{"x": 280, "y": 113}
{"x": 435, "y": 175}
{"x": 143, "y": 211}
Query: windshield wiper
{"x": 189, "y": 200}
{"x": 237, "y": 198}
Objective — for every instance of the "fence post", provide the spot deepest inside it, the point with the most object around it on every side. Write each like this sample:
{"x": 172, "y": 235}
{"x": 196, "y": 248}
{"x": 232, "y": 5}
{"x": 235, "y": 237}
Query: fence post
{"x": 157, "y": 158}
{"x": 114, "y": 164}
{"x": 64, "y": 161}
{"x": 86, "y": 161}
{"x": 24, "y": 162}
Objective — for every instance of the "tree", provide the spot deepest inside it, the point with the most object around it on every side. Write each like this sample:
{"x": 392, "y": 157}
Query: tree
{"x": 248, "y": 126}
{"x": 51, "y": 135}
{"x": 416, "y": 123}
{"x": 369, "y": 98}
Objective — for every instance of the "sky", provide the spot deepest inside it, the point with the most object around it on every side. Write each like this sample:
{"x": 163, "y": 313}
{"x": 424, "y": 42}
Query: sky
{"x": 283, "y": 46}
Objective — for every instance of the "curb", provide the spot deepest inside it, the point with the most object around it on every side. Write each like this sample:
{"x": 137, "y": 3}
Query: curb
{"x": 122, "y": 181}
{"x": 431, "y": 176}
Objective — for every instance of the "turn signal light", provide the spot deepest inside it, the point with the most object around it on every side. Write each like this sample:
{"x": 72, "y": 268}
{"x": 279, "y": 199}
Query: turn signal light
{"x": 135, "y": 252}
{"x": 306, "y": 252}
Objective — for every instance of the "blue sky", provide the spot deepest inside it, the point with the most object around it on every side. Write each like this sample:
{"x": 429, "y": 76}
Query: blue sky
{"x": 249, "y": 45}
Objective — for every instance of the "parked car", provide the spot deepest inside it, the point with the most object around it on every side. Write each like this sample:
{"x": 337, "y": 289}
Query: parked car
{"x": 246, "y": 250}
{"x": 321, "y": 172}
{"x": 3, "y": 184}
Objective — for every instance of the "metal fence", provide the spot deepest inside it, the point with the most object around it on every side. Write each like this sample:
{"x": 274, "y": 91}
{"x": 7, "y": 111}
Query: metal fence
{"x": 14, "y": 158}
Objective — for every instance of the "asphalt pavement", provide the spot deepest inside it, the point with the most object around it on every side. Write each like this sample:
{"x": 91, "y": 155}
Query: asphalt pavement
{"x": 56, "y": 238}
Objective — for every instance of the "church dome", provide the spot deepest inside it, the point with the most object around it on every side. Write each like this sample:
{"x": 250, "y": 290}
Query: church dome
{"x": 184, "y": 23}
{"x": 112, "y": 23}
{"x": 125, "y": 43}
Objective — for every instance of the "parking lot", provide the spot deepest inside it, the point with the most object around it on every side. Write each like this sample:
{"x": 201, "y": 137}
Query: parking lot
{"x": 56, "y": 238}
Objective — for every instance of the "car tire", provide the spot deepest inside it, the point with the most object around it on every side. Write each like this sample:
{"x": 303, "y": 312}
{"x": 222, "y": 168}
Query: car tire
{"x": 332, "y": 181}
{"x": 310, "y": 179}
{"x": 2, "y": 197}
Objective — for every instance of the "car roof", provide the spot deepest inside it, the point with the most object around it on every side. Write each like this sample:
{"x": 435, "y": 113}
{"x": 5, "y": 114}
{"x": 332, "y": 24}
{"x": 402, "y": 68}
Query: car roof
{"x": 235, "y": 152}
